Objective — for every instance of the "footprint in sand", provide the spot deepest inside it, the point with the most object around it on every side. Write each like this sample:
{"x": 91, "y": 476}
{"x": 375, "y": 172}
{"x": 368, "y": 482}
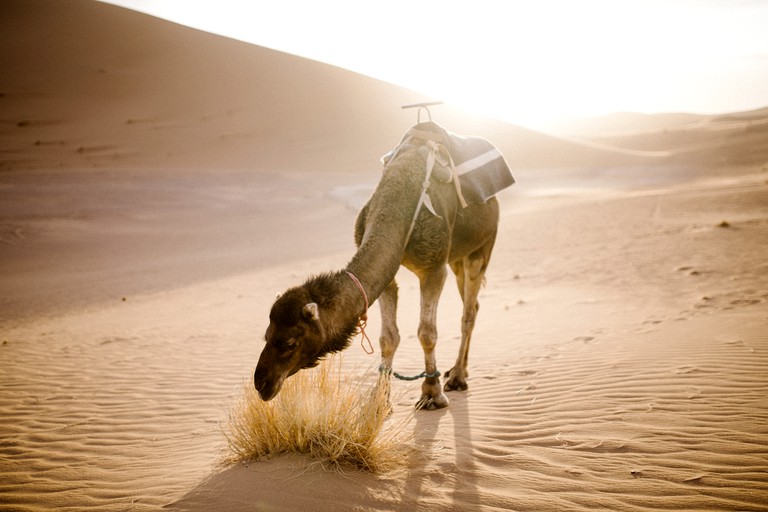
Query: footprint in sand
{"x": 746, "y": 302}
{"x": 685, "y": 370}
{"x": 693, "y": 393}
{"x": 691, "y": 271}
{"x": 586, "y": 340}
{"x": 116, "y": 339}
{"x": 740, "y": 343}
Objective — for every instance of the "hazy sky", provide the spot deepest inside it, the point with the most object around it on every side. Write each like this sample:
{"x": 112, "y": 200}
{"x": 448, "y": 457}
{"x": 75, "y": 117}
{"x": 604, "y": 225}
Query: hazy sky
{"x": 528, "y": 62}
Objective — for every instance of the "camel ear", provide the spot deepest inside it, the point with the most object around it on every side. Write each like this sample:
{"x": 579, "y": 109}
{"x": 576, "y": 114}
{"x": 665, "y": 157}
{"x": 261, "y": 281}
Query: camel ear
{"x": 311, "y": 312}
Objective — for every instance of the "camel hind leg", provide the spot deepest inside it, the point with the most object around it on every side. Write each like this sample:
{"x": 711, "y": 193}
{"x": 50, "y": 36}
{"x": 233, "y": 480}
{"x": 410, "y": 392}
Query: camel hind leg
{"x": 470, "y": 274}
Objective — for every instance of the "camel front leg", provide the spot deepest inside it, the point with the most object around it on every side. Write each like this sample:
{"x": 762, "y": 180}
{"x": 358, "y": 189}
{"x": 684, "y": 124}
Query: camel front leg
{"x": 431, "y": 284}
{"x": 390, "y": 335}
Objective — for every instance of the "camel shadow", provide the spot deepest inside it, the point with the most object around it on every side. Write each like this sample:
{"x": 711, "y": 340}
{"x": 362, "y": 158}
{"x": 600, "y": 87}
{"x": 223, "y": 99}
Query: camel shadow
{"x": 434, "y": 474}
{"x": 466, "y": 492}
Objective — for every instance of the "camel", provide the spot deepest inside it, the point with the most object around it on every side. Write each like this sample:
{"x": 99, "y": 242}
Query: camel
{"x": 412, "y": 219}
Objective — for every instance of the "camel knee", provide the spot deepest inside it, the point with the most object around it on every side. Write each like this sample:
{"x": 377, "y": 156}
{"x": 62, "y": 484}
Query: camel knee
{"x": 428, "y": 337}
{"x": 470, "y": 313}
{"x": 389, "y": 342}
{"x": 469, "y": 316}
{"x": 390, "y": 335}
{"x": 389, "y": 339}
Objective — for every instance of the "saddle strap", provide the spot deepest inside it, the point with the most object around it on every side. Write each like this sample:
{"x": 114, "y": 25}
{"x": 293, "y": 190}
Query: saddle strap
{"x": 436, "y": 150}
{"x": 423, "y": 198}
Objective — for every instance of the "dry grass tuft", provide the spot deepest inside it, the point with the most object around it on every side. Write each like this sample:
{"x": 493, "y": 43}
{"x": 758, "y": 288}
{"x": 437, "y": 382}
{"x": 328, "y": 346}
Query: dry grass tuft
{"x": 334, "y": 417}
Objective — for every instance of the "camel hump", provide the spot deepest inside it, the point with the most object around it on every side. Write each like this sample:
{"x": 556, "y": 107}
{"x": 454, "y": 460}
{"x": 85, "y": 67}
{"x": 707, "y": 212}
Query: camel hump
{"x": 482, "y": 169}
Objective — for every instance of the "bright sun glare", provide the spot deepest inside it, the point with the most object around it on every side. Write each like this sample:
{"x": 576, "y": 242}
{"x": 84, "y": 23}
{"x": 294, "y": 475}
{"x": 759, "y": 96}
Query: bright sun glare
{"x": 529, "y": 62}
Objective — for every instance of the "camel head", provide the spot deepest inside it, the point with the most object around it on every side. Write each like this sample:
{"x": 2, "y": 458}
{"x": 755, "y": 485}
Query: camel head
{"x": 306, "y": 323}
{"x": 295, "y": 340}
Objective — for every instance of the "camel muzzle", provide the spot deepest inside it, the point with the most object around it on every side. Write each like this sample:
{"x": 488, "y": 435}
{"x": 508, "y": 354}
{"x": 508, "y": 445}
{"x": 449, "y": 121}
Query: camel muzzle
{"x": 267, "y": 386}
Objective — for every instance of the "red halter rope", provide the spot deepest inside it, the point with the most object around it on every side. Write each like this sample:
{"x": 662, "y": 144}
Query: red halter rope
{"x": 363, "y": 318}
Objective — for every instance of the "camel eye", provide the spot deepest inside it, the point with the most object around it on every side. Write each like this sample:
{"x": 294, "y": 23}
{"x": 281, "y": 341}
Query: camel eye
{"x": 290, "y": 344}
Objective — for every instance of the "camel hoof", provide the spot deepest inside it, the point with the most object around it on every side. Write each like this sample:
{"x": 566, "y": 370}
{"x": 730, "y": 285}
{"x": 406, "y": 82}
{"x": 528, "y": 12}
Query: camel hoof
{"x": 455, "y": 384}
{"x": 431, "y": 403}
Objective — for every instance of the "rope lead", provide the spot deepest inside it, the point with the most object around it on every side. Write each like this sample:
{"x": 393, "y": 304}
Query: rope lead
{"x": 387, "y": 370}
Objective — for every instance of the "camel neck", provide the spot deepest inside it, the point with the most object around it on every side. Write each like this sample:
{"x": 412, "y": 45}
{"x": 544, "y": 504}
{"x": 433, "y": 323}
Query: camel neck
{"x": 389, "y": 215}
{"x": 374, "y": 268}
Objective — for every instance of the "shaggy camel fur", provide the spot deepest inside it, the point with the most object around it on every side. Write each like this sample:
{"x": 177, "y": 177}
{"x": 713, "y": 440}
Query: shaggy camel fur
{"x": 320, "y": 316}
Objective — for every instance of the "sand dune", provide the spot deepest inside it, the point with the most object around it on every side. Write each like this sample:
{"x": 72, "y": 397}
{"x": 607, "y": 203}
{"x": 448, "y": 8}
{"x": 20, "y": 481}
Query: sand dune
{"x": 116, "y": 93}
{"x": 142, "y": 91}
{"x": 628, "y": 123}
{"x": 732, "y": 140}
{"x": 158, "y": 186}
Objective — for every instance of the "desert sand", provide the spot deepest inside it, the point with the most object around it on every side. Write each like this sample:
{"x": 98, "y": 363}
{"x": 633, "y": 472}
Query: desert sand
{"x": 159, "y": 185}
